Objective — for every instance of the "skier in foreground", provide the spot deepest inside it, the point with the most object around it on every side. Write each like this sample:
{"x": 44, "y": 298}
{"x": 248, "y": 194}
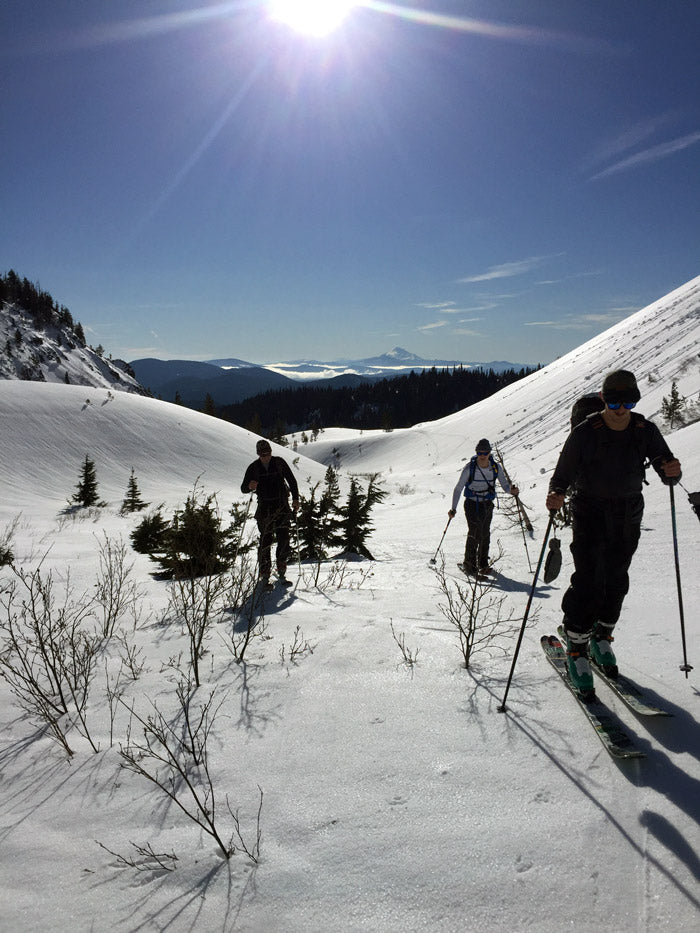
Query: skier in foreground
{"x": 603, "y": 459}
{"x": 271, "y": 479}
{"x": 478, "y": 480}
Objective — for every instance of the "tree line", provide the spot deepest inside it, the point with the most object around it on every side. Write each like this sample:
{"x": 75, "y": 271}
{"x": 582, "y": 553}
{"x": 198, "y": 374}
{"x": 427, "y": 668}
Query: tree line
{"x": 397, "y": 402}
{"x": 38, "y": 304}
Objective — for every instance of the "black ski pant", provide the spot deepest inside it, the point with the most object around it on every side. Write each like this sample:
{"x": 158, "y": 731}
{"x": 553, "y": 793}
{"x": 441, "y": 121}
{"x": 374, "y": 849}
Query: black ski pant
{"x": 605, "y": 536}
{"x": 274, "y": 524}
{"x": 479, "y": 515}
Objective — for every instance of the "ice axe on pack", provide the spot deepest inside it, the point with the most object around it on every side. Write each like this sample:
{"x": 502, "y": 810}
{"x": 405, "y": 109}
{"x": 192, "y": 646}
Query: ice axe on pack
{"x": 523, "y": 518}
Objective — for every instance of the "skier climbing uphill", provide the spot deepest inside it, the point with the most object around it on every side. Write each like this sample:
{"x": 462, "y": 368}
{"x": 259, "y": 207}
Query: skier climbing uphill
{"x": 603, "y": 460}
{"x": 478, "y": 480}
{"x": 271, "y": 479}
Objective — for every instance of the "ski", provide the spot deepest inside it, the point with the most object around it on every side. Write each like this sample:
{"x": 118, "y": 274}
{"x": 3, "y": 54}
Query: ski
{"x": 617, "y": 742}
{"x": 631, "y": 695}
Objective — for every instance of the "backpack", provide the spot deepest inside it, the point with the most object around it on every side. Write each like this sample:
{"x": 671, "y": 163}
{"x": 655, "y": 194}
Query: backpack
{"x": 491, "y": 494}
{"x": 585, "y": 406}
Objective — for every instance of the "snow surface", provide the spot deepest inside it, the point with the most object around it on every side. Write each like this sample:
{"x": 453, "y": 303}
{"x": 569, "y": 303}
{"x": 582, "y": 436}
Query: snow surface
{"x": 394, "y": 799}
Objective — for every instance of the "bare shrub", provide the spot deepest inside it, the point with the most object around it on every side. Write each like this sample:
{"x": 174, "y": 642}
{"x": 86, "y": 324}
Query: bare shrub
{"x": 48, "y": 657}
{"x": 297, "y": 649}
{"x": 175, "y": 759}
{"x": 410, "y": 658}
{"x": 475, "y": 612}
{"x": 197, "y": 602}
{"x": 115, "y": 592}
{"x": 336, "y": 575}
{"x": 145, "y": 859}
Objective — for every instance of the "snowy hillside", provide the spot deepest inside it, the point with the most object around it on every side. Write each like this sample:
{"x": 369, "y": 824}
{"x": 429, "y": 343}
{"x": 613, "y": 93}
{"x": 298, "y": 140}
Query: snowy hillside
{"x": 396, "y": 799}
{"x": 53, "y": 354}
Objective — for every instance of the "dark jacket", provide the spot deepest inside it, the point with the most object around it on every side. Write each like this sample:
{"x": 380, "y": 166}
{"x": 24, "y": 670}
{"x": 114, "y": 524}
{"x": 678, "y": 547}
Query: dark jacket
{"x": 601, "y": 463}
{"x": 274, "y": 483}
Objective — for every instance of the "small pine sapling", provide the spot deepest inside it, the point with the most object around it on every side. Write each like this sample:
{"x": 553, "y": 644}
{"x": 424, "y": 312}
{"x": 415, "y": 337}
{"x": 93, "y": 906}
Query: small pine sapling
{"x": 132, "y": 502}
{"x": 86, "y": 490}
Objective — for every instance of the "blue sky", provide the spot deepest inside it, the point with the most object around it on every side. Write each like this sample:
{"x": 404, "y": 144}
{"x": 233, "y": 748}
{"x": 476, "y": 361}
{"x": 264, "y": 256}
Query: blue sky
{"x": 468, "y": 180}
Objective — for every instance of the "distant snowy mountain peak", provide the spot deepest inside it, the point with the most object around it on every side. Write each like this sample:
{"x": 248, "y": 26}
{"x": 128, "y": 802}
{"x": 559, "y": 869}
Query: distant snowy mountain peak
{"x": 398, "y": 353}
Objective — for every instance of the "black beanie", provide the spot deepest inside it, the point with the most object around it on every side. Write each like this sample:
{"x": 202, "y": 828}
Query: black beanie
{"x": 263, "y": 447}
{"x": 620, "y": 386}
{"x": 483, "y": 445}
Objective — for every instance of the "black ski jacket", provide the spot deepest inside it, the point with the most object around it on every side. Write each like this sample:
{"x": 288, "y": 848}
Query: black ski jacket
{"x": 274, "y": 483}
{"x": 605, "y": 464}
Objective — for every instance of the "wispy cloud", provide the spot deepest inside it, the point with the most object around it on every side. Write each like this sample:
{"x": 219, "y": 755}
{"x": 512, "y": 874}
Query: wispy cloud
{"x": 652, "y": 154}
{"x": 507, "y": 270}
{"x": 450, "y": 307}
{"x": 630, "y": 137}
{"x": 585, "y": 321}
{"x": 568, "y": 278}
{"x": 432, "y": 326}
{"x": 437, "y": 305}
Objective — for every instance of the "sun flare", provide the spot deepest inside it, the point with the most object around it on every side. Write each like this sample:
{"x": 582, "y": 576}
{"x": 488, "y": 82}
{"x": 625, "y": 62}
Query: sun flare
{"x": 311, "y": 17}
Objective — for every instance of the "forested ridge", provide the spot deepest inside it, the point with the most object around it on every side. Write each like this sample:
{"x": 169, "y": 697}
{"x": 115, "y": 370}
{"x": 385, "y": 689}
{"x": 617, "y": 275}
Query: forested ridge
{"x": 397, "y": 402}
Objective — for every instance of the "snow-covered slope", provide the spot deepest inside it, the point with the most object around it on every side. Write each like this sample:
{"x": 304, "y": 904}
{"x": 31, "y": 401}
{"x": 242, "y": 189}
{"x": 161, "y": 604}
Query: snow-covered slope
{"x": 49, "y": 429}
{"x": 396, "y": 799}
{"x": 53, "y": 354}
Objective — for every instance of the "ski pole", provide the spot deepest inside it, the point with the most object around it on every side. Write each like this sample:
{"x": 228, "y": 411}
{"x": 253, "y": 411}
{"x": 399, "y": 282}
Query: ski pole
{"x": 522, "y": 528}
{"x": 433, "y": 559}
{"x": 296, "y": 529}
{"x": 684, "y": 666}
{"x": 502, "y": 708}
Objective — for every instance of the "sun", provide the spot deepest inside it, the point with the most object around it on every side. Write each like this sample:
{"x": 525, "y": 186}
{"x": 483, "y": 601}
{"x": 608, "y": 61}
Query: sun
{"x": 311, "y": 17}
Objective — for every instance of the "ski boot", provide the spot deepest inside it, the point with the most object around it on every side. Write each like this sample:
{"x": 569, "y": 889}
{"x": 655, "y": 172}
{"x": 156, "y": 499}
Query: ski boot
{"x": 282, "y": 575}
{"x": 601, "y": 649}
{"x": 467, "y": 569}
{"x": 578, "y": 665}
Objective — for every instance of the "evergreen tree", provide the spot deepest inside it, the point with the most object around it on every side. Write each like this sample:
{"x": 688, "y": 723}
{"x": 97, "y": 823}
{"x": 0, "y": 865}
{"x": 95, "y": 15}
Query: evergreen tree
{"x": 672, "y": 407}
{"x": 209, "y": 406}
{"x": 328, "y": 511}
{"x": 149, "y": 536}
{"x": 309, "y": 528}
{"x": 255, "y": 425}
{"x": 195, "y": 542}
{"x": 192, "y": 544}
{"x": 132, "y": 502}
{"x": 86, "y": 490}
{"x": 355, "y": 517}
{"x": 278, "y": 433}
